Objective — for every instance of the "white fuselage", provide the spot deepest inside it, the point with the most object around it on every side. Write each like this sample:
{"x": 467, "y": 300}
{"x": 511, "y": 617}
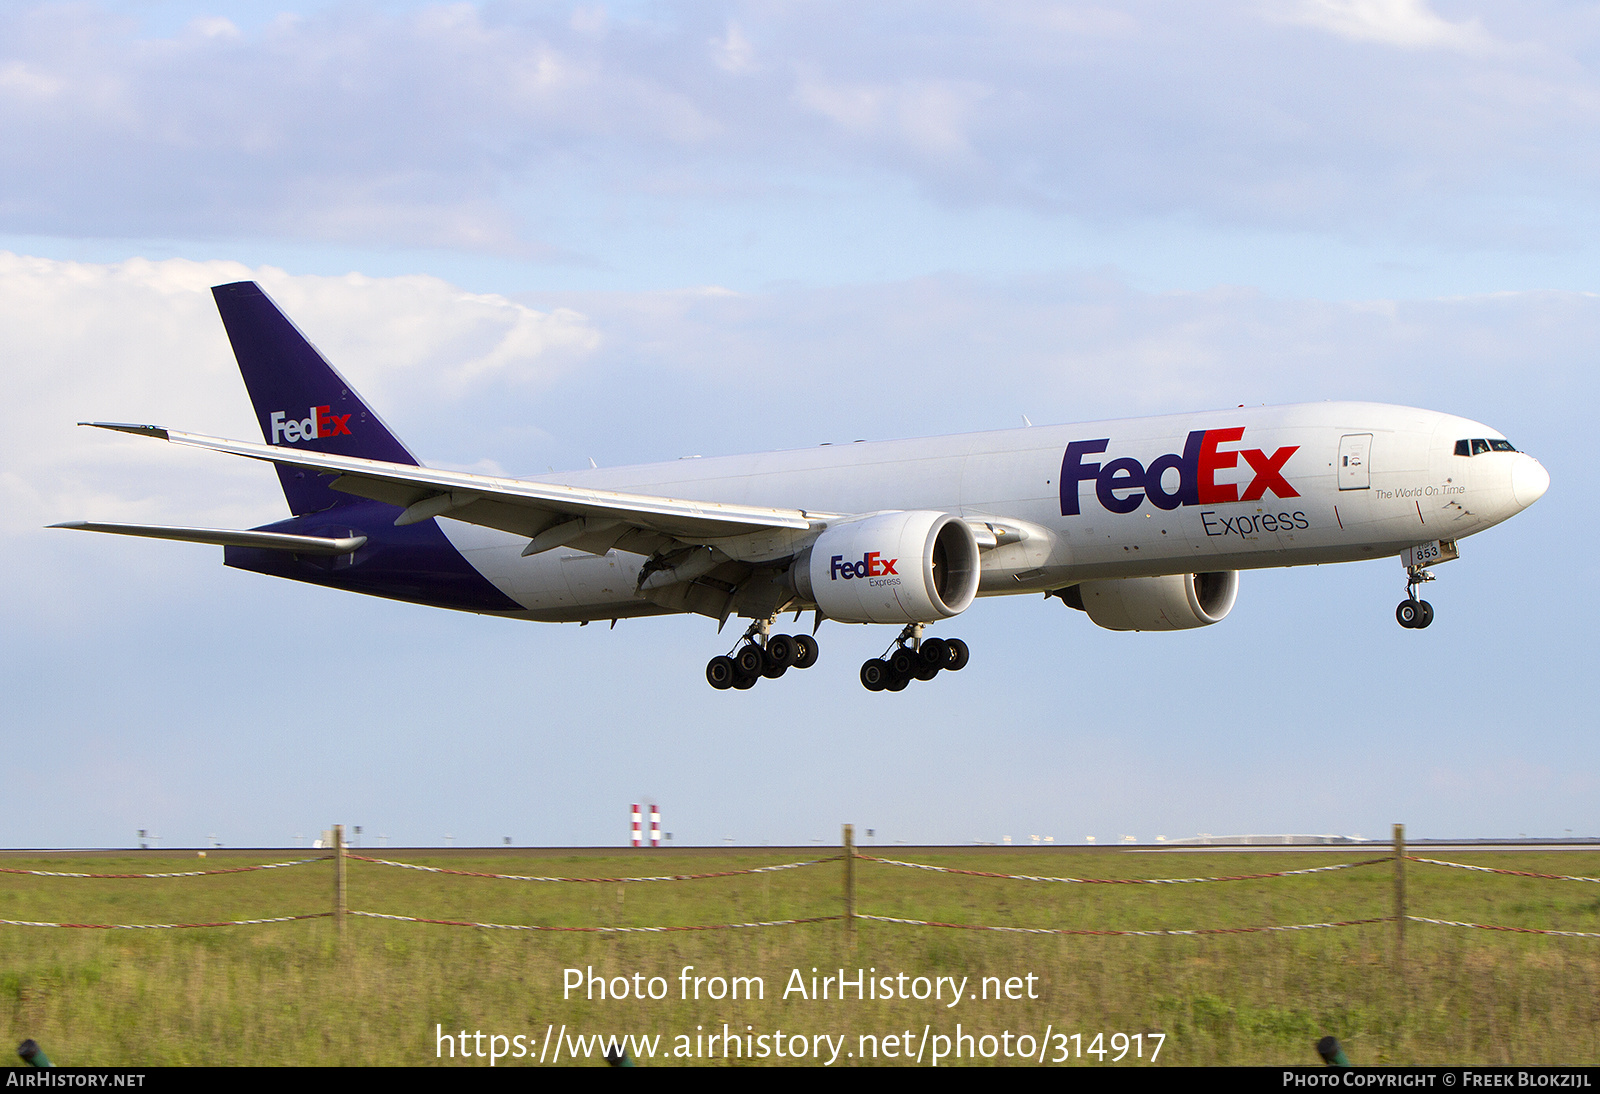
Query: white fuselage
{"x": 1262, "y": 486}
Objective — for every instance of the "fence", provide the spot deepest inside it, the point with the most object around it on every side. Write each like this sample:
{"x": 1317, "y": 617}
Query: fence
{"x": 850, "y": 857}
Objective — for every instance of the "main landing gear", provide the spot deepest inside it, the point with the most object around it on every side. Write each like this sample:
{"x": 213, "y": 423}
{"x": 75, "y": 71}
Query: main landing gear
{"x": 913, "y": 658}
{"x": 1414, "y": 614}
{"x": 760, "y": 654}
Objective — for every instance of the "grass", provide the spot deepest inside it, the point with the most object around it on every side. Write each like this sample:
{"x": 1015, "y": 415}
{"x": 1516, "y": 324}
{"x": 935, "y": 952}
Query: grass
{"x": 298, "y": 993}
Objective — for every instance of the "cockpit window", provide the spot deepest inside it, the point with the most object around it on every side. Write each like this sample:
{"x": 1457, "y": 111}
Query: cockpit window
{"x": 1479, "y": 445}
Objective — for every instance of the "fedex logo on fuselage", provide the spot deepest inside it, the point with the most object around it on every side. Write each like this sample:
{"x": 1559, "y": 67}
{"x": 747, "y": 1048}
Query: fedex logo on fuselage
{"x": 1123, "y": 483}
{"x": 872, "y": 564}
{"x": 322, "y": 422}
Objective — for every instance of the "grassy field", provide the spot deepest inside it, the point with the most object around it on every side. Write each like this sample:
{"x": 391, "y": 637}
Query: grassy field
{"x": 298, "y": 993}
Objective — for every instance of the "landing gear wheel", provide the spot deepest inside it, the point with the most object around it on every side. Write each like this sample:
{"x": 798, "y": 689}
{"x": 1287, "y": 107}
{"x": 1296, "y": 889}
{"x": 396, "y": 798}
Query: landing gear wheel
{"x": 934, "y": 652}
{"x": 926, "y": 672}
{"x": 771, "y": 667}
{"x": 958, "y": 654}
{"x": 745, "y": 683}
{"x": 903, "y": 662}
{"x": 875, "y": 675}
{"x": 1426, "y": 615}
{"x": 781, "y": 650}
{"x": 721, "y": 673}
{"x": 805, "y": 651}
{"x": 750, "y": 660}
{"x": 1408, "y": 614}
{"x": 897, "y": 683}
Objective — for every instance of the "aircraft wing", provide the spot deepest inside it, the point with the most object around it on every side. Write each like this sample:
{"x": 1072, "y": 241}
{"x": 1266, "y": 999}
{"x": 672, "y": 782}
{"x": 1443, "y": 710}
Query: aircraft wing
{"x": 550, "y": 515}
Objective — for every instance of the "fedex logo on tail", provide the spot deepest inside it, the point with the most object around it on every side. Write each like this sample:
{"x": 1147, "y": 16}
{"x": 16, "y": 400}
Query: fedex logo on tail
{"x": 1122, "y": 484}
{"x": 322, "y": 422}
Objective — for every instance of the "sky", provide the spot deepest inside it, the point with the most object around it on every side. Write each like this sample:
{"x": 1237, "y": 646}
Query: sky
{"x": 536, "y": 234}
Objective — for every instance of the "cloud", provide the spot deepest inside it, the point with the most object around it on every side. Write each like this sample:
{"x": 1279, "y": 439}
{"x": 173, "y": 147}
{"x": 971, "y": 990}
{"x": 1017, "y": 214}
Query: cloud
{"x": 733, "y": 52}
{"x": 141, "y": 341}
{"x": 346, "y": 125}
{"x": 460, "y": 126}
{"x": 928, "y": 116}
{"x": 419, "y": 336}
{"x": 1409, "y": 24}
{"x": 950, "y": 354}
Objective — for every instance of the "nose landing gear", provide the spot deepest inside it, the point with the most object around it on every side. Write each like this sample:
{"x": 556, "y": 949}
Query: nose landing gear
{"x": 1414, "y": 614}
{"x": 913, "y": 658}
{"x": 759, "y": 655}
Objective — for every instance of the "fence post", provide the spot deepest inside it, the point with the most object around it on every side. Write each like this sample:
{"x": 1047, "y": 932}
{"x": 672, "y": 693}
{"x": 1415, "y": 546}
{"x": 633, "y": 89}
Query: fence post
{"x": 338, "y": 877}
{"x": 850, "y": 879}
{"x": 1399, "y": 893}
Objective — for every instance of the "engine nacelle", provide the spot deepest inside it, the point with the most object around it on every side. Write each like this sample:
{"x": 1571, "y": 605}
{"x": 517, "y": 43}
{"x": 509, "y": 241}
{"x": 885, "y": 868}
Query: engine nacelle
{"x": 1175, "y": 602}
{"x": 905, "y": 567}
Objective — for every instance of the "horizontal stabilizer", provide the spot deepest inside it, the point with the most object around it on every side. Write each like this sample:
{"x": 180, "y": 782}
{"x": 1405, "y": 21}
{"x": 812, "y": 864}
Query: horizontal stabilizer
{"x": 227, "y": 537}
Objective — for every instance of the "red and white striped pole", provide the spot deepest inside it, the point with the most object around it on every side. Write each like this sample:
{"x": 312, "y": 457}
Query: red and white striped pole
{"x": 655, "y": 825}
{"x": 637, "y": 841}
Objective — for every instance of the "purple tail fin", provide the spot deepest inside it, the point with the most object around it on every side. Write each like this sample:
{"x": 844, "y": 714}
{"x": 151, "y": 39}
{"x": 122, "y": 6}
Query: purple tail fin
{"x": 300, "y": 400}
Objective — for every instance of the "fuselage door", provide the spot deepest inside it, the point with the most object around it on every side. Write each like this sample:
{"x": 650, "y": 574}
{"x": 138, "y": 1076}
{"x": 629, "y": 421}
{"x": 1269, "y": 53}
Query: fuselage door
{"x": 1354, "y": 450}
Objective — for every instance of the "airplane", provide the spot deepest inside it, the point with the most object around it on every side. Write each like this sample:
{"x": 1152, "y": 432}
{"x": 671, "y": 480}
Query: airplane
{"x": 1141, "y": 524}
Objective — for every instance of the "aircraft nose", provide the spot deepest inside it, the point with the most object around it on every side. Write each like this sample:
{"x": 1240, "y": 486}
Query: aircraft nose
{"x": 1529, "y": 481}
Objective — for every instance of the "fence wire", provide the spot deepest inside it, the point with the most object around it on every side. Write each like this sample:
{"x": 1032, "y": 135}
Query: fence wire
{"x": 1124, "y": 880}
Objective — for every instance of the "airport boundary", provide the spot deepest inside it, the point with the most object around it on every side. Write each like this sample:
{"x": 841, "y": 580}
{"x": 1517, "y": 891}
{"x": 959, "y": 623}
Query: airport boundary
{"x": 852, "y": 859}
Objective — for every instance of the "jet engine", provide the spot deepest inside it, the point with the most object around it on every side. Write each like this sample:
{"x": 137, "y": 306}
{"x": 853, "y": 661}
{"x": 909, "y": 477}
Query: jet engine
{"x": 902, "y": 567}
{"x": 1175, "y": 602}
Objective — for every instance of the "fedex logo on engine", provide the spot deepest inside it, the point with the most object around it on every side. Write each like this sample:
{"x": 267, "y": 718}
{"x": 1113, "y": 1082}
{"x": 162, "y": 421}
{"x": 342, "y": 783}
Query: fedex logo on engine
{"x": 1122, "y": 484}
{"x": 872, "y": 564}
{"x": 322, "y": 422}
